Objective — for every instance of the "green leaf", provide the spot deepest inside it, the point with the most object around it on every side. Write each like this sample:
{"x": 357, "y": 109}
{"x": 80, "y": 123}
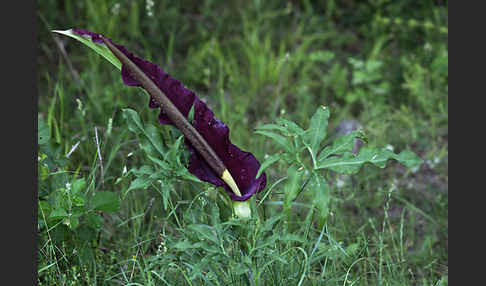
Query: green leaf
{"x": 341, "y": 145}
{"x": 105, "y": 201}
{"x": 185, "y": 245}
{"x": 317, "y": 127}
{"x": 172, "y": 156}
{"x": 279, "y": 139}
{"x": 77, "y": 200}
{"x": 291, "y": 188}
{"x": 350, "y": 163}
{"x": 43, "y": 132}
{"x": 317, "y": 131}
{"x": 272, "y": 126}
{"x": 78, "y": 186}
{"x": 58, "y": 213}
{"x": 269, "y": 161}
{"x": 139, "y": 183}
{"x": 94, "y": 221}
{"x": 291, "y": 127}
{"x": 268, "y": 224}
{"x": 100, "y": 48}
{"x": 204, "y": 231}
{"x": 152, "y": 153}
{"x": 144, "y": 170}
{"x": 134, "y": 123}
{"x": 321, "y": 196}
{"x": 153, "y": 135}
{"x": 150, "y": 132}
{"x": 409, "y": 159}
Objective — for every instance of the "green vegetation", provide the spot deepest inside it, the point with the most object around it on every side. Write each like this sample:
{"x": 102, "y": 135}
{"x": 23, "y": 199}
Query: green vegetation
{"x": 116, "y": 205}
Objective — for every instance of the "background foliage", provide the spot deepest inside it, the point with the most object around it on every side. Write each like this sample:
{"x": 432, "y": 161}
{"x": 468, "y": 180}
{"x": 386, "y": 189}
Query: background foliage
{"x": 108, "y": 214}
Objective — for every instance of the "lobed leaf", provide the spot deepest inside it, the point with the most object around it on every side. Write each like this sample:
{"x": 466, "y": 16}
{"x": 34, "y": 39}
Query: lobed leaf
{"x": 350, "y": 163}
{"x": 272, "y": 126}
{"x": 317, "y": 131}
{"x": 134, "y": 122}
{"x": 141, "y": 182}
{"x": 269, "y": 161}
{"x": 291, "y": 127}
{"x": 321, "y": 196}
{"x": 279, "y": 139}
{"x": 291, "y": 188}
{"x": 317, "y": 128}
{"x": 341, "y": 145}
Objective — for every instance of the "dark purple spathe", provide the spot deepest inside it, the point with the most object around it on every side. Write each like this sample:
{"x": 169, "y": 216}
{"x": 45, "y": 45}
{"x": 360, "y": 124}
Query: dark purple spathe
{"x": 243, "y": 166}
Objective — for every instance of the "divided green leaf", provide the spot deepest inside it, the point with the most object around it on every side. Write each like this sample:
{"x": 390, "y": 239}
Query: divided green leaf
{"x": 317, "y": 131}
{"x": 139, "y": 183}
{"x": 291, "y": 188}
{"x": 341, "y": 145}
{"x": 134, "y": 122}
{"x": 349, "y": 163}
{"x": 279, "y": 139}
{"x": 269, "y": 161}
{"x": 321, "y": 195}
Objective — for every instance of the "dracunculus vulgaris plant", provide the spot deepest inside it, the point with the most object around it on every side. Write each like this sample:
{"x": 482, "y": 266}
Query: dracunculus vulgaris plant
{"x": 214, "y": 158}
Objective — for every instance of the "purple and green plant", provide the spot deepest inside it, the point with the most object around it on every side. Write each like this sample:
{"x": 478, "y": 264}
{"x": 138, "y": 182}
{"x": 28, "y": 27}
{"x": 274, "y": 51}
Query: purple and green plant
{"x": 214, "y": 158}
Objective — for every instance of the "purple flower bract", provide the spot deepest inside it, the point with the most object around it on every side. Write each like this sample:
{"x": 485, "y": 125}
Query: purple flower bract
{"x": 243, "y": 166}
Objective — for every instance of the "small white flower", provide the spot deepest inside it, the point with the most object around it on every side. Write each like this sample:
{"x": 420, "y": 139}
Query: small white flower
{"x": 340, "y": 183}
{"x": 286, "y": 57}
{"x": 149, "y": 5}
{"x": 115, "y": 9}
{"x": 390, "y": 147}
{"x": 80, "y": 107}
